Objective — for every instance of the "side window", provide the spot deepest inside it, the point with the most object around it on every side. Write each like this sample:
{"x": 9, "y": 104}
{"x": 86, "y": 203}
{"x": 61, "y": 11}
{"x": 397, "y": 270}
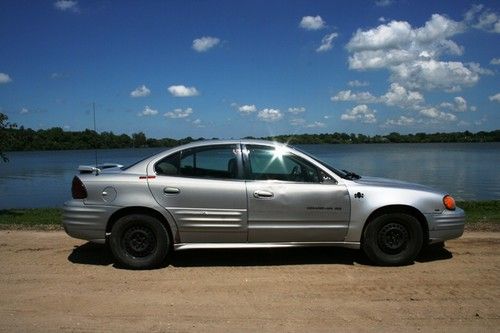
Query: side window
{"x": 169, "y": 166}
{"x": 206, "y": 162}
{"x": 270, "y": 163}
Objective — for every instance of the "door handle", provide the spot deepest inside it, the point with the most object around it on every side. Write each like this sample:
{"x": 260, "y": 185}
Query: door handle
{"x": 171, "y": 190}
{"x": 263, "y": 194}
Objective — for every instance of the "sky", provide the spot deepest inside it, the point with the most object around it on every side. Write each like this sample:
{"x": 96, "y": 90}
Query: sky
{"x": 231, "y": 69}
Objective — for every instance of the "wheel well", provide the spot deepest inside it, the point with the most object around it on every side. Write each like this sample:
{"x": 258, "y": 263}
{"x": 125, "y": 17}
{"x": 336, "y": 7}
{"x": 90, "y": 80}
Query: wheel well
{"x": 138, "y": 210}
{"x": 400, "y": 209}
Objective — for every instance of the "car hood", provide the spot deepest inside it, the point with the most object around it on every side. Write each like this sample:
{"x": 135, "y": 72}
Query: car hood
{"x": 385, "y": 182}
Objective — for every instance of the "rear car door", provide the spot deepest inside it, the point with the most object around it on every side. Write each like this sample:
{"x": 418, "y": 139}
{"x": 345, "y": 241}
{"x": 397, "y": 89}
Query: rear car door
{"x": 203, "y": 190}
{"x": 289, "y": 200}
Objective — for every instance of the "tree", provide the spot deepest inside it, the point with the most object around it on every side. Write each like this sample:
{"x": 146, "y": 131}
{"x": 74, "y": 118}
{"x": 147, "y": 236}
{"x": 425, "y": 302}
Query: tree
{"x": 4, "y": 135}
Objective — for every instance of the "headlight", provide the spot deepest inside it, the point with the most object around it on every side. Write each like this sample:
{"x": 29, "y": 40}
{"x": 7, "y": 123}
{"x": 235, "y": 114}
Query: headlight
{"x": 449, "y": 202}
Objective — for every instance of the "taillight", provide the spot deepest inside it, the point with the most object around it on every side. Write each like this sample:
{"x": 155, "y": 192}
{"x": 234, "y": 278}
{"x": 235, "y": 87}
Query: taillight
{"x": 449, "y": 202}
{"x": 78, "y": 190}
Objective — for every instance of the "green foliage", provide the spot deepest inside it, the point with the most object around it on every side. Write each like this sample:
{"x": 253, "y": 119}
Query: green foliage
{"x": 38, "y": 218}
{"x": 19, "y": 139}
{"x": 333, "y": 138}
{"x": 4, "y": 136}
{"x": 481, "y": 211}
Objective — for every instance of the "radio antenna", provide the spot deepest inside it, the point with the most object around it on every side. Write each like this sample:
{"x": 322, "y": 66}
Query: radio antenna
{"x": 95, "y": 130}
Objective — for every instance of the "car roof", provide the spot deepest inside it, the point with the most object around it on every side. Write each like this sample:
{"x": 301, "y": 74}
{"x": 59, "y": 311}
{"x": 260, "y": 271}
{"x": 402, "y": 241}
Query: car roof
{"x": 228, "y": 141}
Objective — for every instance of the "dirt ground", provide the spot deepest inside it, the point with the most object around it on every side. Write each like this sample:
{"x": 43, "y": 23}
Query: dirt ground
{"x": 51, "y": 282}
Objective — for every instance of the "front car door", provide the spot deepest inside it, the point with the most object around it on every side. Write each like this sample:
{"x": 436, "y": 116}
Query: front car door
{"x": 203, "y": 189}
{"x": 290, "y": 199}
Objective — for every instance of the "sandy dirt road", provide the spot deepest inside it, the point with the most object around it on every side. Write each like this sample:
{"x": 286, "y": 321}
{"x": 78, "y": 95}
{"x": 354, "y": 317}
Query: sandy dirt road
{"x": 51, "y": 282}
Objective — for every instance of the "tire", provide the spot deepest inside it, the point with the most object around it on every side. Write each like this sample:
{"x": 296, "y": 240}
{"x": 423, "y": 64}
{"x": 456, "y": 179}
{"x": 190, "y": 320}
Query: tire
{"x": 393, "y": 239}
{"x": 139, "y": 241}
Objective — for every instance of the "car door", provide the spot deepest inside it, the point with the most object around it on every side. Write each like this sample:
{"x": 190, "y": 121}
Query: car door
{"x": 289, "y": 200}
{"x": 203, "y": 190}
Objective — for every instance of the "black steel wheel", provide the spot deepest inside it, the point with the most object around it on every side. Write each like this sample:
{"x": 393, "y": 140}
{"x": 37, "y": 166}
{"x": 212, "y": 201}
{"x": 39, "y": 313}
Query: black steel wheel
{"x": 139, "y": 241}
{"x": 393, "y": 239}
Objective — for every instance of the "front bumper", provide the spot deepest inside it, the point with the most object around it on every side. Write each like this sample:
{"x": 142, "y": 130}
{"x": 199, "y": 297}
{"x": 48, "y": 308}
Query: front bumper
{"x": 86, "y": 221}
{"x": 446, "y": 225}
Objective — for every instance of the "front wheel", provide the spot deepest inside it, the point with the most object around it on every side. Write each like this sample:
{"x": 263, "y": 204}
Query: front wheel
{"x": 139, "y": 241}
{"x": 393, "y": 239}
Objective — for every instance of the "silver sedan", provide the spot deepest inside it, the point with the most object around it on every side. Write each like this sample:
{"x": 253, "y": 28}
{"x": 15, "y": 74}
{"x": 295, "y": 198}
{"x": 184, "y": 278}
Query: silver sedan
{"x": 248, "y": 194}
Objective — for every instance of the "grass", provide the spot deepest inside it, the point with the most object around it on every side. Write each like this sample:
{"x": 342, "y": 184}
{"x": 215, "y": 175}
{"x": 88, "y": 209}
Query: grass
{"x": 481, "y": 215}
{"x": 31, "y": 219}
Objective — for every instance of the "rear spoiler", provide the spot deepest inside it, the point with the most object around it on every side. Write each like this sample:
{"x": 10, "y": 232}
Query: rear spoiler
{"x": 97, "y": 169}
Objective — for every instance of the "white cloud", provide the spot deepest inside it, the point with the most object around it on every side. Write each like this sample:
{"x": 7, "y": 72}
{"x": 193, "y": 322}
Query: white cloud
{"x": 247, "y": 109}
{"x": 473, "y": 108}
{"x": 67, "y": 5}
{"x": 386, "y": 36}
{"x": 495, "y": 98}
{"x": 450, "y": 76}
{"x": 435, "y": 114}
{"x": 327, "y": 42}
{"x": 495, "y": 61}
{"x": 383, "y": 3}
{"x": 412, "y": 55}
{"x": 398, "y": 95}
{"x": 312, "y": 23}
{"x": 316, "y": 124}
{"x": 198, "y": 123}
{"x": 147, "y": 112}
{"x": 401, "y": 121}
{"x": 179, "y": 113}
{"x": 270, "y": 115}
{"x": 56, "y": 76}
{"x": 356, "y": 83}
{"x": 5, "y": 78}
{"x": 24, "y": 111}
{"x": 483, "y": 18}
{"x": 349, "y": 96}
{"x": 302, "y": 123}
{"x": 183, "y": 91}
{"x": 204, "y": 44}
{"x": 141, "y": 91}
{"x": 297, "y": 110}
{"x": 297, "y": 121}
{"x": 360, "y": 112}
{"x": 382, "y": 19}
{"x": 461, "y": 104}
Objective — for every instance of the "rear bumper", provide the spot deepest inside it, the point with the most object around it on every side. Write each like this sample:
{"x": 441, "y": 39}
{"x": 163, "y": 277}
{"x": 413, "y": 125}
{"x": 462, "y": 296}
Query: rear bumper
{"x": 446, "y": 225}
{"x": 86, "y": 221}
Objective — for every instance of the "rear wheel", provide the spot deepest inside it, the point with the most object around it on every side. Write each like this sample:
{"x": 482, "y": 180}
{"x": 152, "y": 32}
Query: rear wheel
{"x": 139, "y": 241}
{"x": 393, "y": 239}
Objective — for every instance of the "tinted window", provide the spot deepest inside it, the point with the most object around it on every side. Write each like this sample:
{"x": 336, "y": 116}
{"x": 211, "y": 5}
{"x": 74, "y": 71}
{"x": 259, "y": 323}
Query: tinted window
{"x": 269, "y": 163}
{"x": 169, "y": 166}
{"x": 206, "y": 162}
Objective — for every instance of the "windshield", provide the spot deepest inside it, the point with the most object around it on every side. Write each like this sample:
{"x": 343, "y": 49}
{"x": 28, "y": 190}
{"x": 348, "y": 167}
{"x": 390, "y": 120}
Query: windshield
{"x": 326, "y": 165}
{"x": 341, "y": 173}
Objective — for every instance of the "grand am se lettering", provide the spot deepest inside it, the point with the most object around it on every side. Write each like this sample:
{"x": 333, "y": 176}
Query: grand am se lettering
{"x": 249, "y": 194}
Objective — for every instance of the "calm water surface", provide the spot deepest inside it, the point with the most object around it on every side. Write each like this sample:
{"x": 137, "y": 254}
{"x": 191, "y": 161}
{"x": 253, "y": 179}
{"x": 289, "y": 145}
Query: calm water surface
{"x": 467, "y": 171}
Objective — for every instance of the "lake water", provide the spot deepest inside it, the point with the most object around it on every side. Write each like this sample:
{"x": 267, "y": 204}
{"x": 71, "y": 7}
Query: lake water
{"x": 467, "y": 171}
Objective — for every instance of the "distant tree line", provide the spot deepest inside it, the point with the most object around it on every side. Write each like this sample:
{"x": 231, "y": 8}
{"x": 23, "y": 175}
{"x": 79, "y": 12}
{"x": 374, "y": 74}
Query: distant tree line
{"x": 19, "y": 139}
{"x": 333, "y": 138}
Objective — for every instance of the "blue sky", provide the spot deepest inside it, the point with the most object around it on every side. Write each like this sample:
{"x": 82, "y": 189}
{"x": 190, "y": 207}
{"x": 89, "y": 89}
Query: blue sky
{"x": 239, "y": 68}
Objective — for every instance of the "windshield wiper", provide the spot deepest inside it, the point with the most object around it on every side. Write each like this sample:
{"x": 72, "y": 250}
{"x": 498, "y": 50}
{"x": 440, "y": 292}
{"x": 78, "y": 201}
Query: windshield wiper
{"x": 351, "y": 175}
